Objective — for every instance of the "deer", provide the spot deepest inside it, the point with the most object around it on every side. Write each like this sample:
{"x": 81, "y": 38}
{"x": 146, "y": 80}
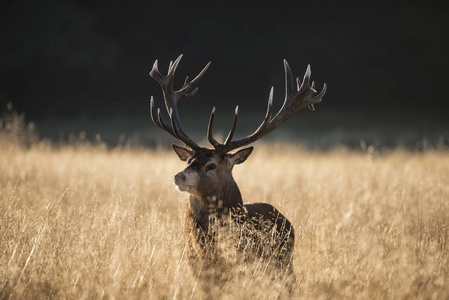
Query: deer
{"x": 214, "y": 197}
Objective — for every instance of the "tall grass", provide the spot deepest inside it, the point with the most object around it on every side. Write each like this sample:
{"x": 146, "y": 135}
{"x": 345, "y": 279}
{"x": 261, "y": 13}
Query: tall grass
{"x": 84, "y": 222}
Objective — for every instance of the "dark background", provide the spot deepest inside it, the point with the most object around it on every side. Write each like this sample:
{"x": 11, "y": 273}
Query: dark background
{"x": 75, "y": 66}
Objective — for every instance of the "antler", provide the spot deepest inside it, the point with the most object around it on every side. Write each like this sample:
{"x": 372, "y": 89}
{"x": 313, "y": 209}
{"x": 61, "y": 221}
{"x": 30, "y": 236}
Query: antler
{"x": 295, "y": 99}
{"x": 171, "y": 100}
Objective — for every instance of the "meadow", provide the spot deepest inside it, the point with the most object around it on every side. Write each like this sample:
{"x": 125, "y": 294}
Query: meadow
{"x": 84, "y": 221}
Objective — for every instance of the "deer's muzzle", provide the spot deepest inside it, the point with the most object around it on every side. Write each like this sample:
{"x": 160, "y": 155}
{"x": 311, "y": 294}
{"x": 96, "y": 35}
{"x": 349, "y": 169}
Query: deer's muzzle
{"x": 186, "y": 182}
{"x": 179, "y": 178}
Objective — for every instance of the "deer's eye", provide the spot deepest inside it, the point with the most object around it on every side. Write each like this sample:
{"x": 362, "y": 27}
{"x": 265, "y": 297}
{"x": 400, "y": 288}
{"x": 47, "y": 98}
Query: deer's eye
{"x": 189, "y": 160}
{"x": 211, "y": 167}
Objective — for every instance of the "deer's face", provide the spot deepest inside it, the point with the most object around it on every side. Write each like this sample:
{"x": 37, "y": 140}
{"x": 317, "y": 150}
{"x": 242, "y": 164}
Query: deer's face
{"x": 206, "y": 170}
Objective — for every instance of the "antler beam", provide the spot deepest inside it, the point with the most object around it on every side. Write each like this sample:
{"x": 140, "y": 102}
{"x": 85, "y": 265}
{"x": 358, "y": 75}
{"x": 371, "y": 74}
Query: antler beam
{"x": 296, "y": 98}
{"x": 172, "y": 97}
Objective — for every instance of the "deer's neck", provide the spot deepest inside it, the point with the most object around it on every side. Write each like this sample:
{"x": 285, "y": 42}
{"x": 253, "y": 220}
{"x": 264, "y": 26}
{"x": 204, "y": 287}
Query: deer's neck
{"x": 219, "y": 202}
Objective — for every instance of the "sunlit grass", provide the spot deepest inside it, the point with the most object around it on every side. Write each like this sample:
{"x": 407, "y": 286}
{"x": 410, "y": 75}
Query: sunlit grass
{"x": 86, "y": 222}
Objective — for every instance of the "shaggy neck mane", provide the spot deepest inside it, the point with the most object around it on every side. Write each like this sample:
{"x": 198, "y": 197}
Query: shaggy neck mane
{"x": 221, "y": 201}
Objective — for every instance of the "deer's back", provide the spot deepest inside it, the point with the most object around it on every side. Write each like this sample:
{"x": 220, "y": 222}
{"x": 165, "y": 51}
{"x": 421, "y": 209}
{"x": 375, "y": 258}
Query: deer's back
{"x": 263, "y": 214}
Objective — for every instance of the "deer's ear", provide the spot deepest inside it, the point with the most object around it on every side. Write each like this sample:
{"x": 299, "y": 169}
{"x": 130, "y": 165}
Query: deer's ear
{"x": 183, "y": 153}
{"x": 240, "y": 156}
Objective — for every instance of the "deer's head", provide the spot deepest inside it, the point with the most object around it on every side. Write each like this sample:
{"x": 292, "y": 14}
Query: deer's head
{"x": 209, "y": 170}
{"x": 206, "y": 170}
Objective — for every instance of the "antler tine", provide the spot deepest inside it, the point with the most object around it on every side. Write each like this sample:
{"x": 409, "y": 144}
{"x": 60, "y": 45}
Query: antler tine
{"x": 165, "y": 126}
{"x": 188, "y": 84}
{"x": 291, "y": 98}
{"x": 153, "y": 114}
{"x": 173, "y": 67}
{"x": 200, "y": 75}
{"x": 172, "y": 97}
{"x": 312, "y": 86}
{"x": 230, "y": 145}
{"x": 210, "y": 136}
{"x": 155, "y": 71}
{"x": 267, "y": 118}
{"x": 157, "y": 119}
{"x": 289, "y": 87}
{"x": 319, "y": 97}
{"x": 234, "y": 125}
{"x": 192, "y": 93}
{"x": 305, "y": 87}
{"x": 302, "y": 97}
{"x": 295, "y": 100}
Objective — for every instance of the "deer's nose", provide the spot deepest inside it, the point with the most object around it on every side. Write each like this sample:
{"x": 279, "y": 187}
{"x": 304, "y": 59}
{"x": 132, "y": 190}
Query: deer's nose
{"x": 180, "y": 177}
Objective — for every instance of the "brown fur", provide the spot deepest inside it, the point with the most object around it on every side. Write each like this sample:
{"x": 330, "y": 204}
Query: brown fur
{"x": 215, "y": 201}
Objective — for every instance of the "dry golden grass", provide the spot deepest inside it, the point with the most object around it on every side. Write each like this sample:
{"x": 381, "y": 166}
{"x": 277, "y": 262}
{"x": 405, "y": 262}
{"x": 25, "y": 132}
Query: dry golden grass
{"x": 84, "y": 222}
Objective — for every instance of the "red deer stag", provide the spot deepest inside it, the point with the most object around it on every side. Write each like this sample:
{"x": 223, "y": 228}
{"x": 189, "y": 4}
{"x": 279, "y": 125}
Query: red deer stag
{"x": 208, "y": 175}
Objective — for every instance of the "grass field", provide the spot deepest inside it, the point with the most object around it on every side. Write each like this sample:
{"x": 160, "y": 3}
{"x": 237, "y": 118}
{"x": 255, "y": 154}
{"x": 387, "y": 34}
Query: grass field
{"x": 86, "y": 222}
